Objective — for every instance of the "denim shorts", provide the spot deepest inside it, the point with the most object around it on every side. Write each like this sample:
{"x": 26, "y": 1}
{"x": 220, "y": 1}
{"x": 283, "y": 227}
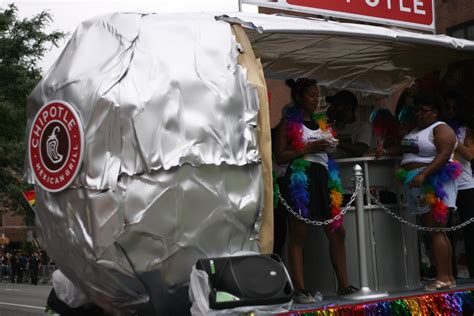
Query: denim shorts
{"x": 416, "y": 197}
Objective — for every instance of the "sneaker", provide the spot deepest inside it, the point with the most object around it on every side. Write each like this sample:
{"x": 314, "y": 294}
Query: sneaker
{"x": 303, "y": 297}
{"x": 347, "y": 290}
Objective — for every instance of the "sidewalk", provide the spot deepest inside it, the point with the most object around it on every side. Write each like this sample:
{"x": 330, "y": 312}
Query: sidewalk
{"x": 44, "y": 275}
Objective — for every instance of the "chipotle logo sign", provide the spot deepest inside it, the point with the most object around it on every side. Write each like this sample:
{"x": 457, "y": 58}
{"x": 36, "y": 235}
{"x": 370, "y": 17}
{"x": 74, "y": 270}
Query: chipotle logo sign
{"x": 56, "y": 143}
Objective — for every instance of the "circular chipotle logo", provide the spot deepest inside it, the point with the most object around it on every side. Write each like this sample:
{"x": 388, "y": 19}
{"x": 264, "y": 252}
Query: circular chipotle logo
{"x": 55, "y": 145}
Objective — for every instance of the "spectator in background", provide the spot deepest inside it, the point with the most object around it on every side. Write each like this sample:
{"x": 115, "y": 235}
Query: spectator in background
{"x": 22, "y": 262}
{"x": 14, "y": 266}
{"x": 354, "y": 136}
{"x": 457, "y": 115}
{"x": 34, "y": 263}
{"x": 407, "y": 120}
{"x": 4, "y": 266}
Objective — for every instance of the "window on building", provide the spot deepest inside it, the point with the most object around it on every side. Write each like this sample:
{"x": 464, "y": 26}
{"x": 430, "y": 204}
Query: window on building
{"x": 464, "y": 30}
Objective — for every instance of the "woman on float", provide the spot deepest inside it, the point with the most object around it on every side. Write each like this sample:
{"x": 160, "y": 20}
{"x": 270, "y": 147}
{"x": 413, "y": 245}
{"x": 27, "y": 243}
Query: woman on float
{"x": 303, "y": 140}
{"x": 428, "y": 175}
{"x": 457, "y": 116}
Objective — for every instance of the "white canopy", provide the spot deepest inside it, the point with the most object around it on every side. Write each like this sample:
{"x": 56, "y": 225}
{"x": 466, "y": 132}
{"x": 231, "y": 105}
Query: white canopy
{"x": 348, "y": 55}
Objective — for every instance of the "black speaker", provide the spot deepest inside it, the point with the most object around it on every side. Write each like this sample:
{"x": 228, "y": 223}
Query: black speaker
{"x": 246, "y": 281}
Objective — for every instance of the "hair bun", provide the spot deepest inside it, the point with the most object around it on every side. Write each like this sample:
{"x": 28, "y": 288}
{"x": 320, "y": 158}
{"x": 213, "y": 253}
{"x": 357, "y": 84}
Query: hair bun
{"x": 290, "y": 83}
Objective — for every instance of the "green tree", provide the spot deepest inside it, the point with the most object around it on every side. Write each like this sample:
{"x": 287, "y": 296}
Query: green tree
{"x": 23, "y": 42}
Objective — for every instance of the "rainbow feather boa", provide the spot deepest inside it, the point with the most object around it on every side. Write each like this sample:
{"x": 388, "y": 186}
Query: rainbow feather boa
{"x": 299, "y": 178}
{"x": 433, "y": 186}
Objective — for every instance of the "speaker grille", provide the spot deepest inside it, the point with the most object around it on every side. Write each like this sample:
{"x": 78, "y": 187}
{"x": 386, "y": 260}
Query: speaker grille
{"x": 258, "y": 276}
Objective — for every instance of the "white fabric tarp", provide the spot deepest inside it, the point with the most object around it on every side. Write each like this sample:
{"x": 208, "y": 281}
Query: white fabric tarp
{"x": 348, "y": 55}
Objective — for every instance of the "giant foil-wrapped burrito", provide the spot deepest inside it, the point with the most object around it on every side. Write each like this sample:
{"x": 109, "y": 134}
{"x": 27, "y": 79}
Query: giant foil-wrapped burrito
{"x": 149, "y": 148}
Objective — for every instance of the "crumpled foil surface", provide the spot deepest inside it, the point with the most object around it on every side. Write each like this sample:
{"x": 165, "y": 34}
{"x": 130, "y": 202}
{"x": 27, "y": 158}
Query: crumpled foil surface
{"x": 171, "y": 170}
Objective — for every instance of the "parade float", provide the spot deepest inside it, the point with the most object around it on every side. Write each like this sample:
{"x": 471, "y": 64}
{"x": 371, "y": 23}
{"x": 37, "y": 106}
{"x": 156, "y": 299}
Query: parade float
{"x": 149, "y": 149}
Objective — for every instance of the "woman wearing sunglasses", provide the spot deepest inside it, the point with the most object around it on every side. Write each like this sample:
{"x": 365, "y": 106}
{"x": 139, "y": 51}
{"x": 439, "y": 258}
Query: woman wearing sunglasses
{"x": 428, "y": 175}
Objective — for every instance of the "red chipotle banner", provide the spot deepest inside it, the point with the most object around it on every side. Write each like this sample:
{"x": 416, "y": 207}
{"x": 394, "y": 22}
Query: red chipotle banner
{"x": 407, "y": 13}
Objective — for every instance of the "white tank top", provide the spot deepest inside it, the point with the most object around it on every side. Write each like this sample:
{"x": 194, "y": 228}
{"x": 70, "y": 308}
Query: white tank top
{"x": 465, "y": 181}
{"x": 314, "y": 135}
{"x": 419, "y": 146}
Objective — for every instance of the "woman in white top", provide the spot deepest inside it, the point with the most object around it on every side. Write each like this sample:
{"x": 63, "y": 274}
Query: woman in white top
{"x": 313, "y": 146}
{"x": 427, "y": 153}
{"x": 455, "y": 112}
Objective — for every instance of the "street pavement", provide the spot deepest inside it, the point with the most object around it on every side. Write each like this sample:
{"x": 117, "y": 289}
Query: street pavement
{"x": 23, "y": 299}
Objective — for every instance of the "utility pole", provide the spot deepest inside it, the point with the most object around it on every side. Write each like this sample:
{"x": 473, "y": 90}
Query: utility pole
{"x": 240, "y": 6}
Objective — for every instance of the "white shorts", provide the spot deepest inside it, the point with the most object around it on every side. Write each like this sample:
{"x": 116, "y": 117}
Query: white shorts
{"x": 416, "y": 197}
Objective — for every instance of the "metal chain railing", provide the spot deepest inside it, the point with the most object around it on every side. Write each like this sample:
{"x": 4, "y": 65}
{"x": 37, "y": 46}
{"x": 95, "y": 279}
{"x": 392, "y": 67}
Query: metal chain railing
{"x": 415, "y": 226}
{"x": 378, "y": 203}
{"x": 328, "y": 221}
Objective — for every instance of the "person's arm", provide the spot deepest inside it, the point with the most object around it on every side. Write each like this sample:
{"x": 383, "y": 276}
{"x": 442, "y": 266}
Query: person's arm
{"x": 394, "y": 150}
{"x": 444, "y": 140}
{"x": 466, "y": 150}
{"x": 361, "y": 142}
{"x": 284, "y": 153}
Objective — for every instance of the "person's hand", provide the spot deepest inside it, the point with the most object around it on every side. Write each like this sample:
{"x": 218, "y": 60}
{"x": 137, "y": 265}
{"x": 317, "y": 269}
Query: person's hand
{"x": 379, "y": 152}
{"x": 417, "y": 181}
{"x": 317, "y": 146}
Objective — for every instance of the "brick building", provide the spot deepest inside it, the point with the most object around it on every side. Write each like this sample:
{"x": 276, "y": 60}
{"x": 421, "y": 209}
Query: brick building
{"x": 455, "y": 18}
{"x": 13, "y": 227}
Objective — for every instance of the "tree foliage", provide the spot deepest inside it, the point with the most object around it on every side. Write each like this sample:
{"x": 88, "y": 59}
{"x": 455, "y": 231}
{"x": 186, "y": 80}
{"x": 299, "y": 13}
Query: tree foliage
{"x": 23, "y": 42}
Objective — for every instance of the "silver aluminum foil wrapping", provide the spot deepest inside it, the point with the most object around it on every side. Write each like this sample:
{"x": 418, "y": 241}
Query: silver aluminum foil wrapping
{"x": 171, "y": 170}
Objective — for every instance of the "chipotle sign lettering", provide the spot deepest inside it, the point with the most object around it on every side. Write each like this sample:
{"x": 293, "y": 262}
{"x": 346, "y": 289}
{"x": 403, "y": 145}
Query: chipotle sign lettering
{"x": 407, "y": 13}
